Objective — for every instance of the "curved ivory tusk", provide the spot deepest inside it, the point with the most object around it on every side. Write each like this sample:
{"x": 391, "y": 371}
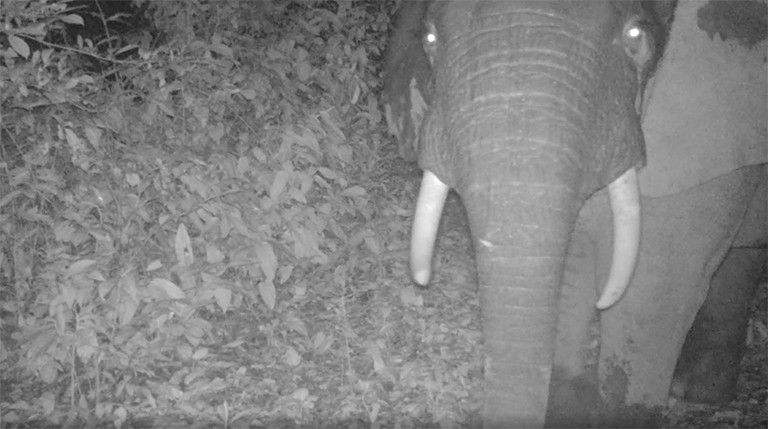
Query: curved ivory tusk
{"x": 625, "y": 205}
{"x": 429, "y": 207}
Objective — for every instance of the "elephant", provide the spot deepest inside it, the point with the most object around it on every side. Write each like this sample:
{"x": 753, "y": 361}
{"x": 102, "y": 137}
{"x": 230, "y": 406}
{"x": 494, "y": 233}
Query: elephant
{"x": 534, "y": 107}
{"x": 554, "y": 119}
{"x": 704, "y": 226}
{"x": 408, "y": 88}
{"x": 707, "y": 370}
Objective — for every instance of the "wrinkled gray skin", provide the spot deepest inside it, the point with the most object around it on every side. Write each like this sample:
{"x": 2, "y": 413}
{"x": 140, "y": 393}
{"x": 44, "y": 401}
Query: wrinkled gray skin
{"x": 534, "y": 110}
{"x": 491, "y": 105}
{"x": 408, "y": 88}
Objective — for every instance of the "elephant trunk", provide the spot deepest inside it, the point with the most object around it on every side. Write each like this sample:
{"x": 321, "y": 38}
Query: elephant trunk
{"x": 520, "y": 267}
{"x": 534, "y": 113}
{"x": 625, "y": 206}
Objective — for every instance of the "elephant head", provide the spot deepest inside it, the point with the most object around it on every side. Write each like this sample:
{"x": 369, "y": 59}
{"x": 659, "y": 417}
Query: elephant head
{"x": 408, "y": 87}
{"x": 535, "y": 107}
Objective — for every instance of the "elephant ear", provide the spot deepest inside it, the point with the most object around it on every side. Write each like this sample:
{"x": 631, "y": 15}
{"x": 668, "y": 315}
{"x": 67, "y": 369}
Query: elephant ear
{"x": 705, "y": 111}
{"x": 407, "y": 78}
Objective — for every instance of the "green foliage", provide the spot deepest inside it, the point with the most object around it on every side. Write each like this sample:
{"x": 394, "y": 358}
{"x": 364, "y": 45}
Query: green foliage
{"x": 224, "y": 170}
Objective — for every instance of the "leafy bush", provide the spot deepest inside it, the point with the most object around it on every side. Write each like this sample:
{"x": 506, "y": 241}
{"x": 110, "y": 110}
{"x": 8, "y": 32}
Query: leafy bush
{"x": 222, "y": 170}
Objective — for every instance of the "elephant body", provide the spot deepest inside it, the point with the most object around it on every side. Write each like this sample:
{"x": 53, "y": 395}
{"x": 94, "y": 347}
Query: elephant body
{"x": 702, "y": 199}
{"x": 685, "y": 238}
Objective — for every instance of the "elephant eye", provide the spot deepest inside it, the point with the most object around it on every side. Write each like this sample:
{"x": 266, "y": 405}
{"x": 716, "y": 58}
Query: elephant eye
{"x": 430, "y": 38}
{"x": 430, "y": 41}
{"x": 637, "y": 42}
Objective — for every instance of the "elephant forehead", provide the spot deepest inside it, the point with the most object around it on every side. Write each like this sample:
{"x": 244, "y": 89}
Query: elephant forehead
{"x": 705, "y": 112}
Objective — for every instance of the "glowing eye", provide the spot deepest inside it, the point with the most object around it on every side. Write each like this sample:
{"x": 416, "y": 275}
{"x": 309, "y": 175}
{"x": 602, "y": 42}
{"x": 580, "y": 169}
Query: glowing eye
{"x": 431, "y": 38}
{"x": 634, "y": 32}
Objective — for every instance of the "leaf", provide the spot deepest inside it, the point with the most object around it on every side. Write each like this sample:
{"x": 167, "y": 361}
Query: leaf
{"x": 65, "y": 232}
{"x": 300, "y": 394}
{"x": 166, "y": 288}
{"x": 154, "y": 265}
{"x": 48, "y": 401}
{"x": 327, "y": 173}
{"x": 78, "y": 267}
{"x": 355, "y": 95}
{"x": 332, "y": 121}
{"x": 32, "y": 30}
{"x": 73, "y": 82}
{"x": 321, "y": 343}
{"x": 133, "y": 179}
{"x": 304, "y": 70}
{"x": 408, "y": 296}
{"x": 194, "y": 334}
{"x": 292, "y": 357}
{"x": 184, "y": 351}
{"x": 126, "y": 307}
{"x": 373, "y": 245}
{"x": 279, "y": 184}
{"x": 249, "y": 94}
{"x": 307, "y": 139}
{"x": 267, "y": 292}
{"x": 87, "y": 344}
{"x": 297, "y": 325}
{"x": 223, "y": 298}
{"x": 243, "y": 165}
{"x": 305, "y": 244}
{"x": 212, "y": 254}
{"x": 93, "y": 134}
{"x": 19, "y": 45}
{"x": 120, "y": 415}
{"x": 223, "y": 412}
{"x": 284, "y": 273}
{"x": 7, "y": 199}
{"x": 354, "y": 191}
{"x": 183, "y": 247}
{"x": 267, "y": 260}
{"x": 49, "y": 373}
{"x": 79, "y": 149}
{"x": 195, "y": 184}
{"x": 222, "y": 50}
{"x": 373, "y": 351}
{"x": 72, "y": 19}
{"x": 216, "y": 132}
{"x": 200, "y": 353}
{"x": 126, "y": 48}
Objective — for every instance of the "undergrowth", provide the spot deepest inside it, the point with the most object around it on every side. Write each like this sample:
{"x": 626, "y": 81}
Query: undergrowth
{"x": 153, "y": 181}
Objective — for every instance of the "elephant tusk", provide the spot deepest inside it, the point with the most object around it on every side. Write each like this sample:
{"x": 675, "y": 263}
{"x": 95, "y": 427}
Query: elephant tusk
{"x": 429, "y": 207}
{"x": 625, "y": 205}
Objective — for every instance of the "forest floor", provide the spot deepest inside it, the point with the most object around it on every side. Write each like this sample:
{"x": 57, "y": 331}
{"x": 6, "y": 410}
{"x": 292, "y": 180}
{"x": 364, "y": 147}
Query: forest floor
{"x": 401, "y": 356}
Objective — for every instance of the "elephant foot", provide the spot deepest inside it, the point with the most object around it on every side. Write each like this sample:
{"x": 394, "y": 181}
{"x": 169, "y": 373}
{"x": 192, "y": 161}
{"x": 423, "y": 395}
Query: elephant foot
{"x": 707, "y": 370}
{"x": 572, "y": 401}
{"x": 634, "y": 416}
{"x": 614, "y": 411}
{"x": 575, "y": 402}
{"x": 710, "y": 380}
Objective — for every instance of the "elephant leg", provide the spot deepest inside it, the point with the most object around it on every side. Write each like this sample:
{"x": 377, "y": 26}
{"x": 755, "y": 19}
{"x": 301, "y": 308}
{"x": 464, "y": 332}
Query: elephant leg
{"x": 573, "y": 392}
{"x": 684, "y": 240}
{"x": 708, "y": 367}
